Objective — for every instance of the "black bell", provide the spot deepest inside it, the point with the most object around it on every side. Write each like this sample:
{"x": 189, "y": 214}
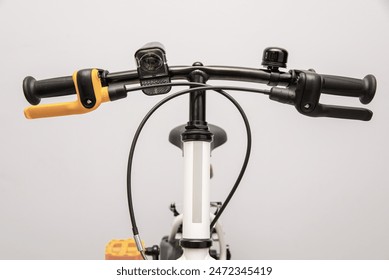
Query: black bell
{"x": 274, "y": 57}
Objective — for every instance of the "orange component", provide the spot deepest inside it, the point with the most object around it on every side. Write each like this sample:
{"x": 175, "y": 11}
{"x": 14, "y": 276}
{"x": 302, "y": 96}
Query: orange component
{"x": 121, "y": 249}
{"x": 72, "y": 107}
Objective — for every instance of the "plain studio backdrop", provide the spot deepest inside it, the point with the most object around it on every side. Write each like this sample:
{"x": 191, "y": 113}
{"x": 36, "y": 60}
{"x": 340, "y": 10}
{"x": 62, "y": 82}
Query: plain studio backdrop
{"x": 315, "y": 188}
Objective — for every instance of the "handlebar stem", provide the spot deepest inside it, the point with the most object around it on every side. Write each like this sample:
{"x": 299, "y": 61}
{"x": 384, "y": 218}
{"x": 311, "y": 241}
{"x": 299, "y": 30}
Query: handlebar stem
{"x": 197, "y": 101}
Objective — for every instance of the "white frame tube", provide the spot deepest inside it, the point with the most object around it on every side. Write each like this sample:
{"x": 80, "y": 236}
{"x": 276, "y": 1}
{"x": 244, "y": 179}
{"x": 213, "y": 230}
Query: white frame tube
{"x": 196, "y": 222}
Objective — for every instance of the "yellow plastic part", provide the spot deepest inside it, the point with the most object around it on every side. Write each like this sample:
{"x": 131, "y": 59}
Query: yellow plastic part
{"x": 120, "y": 249}
{"x": 70, "y": 108}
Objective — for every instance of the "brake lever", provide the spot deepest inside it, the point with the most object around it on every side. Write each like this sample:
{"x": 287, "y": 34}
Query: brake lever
{"x": 305, "y": 93}
{"x": 342, "y": 112}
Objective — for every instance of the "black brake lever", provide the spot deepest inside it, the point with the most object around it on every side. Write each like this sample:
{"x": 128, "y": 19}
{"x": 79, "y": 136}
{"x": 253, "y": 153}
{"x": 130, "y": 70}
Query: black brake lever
{"x": 342, "y": 112}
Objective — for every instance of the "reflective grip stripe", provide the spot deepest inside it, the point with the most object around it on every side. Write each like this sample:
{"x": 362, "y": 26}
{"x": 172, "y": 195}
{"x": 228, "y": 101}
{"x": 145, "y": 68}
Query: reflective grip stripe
{"x": 197, "y": 188}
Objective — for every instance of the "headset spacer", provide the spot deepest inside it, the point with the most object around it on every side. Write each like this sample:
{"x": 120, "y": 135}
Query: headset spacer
{"x": 195, "y": 243}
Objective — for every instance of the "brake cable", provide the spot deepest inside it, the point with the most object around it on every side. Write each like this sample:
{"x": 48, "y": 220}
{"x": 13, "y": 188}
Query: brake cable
{"x": 218, "y": 89}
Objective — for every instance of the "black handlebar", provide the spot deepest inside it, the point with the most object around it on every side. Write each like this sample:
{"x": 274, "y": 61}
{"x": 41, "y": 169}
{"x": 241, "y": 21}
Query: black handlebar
{"x": 35, "y": 90}
{"x": 300, "y": 88}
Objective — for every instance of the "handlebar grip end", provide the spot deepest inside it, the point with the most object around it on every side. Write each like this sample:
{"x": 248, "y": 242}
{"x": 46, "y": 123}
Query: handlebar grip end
{"x": 370, "y": 83}
{"x": 29, "y": 90}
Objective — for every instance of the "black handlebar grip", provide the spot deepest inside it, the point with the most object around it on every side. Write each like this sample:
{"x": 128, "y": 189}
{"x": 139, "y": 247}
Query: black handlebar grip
{"x": 35, "y": 90}
{"x": 364, "y": 89}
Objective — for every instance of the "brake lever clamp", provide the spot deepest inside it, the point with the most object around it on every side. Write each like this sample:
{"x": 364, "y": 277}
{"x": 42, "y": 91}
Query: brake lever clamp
{"x": 307, "y": 92}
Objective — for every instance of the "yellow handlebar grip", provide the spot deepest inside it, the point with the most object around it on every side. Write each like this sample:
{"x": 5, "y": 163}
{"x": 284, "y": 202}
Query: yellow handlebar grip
{"x": 73, "y": 107}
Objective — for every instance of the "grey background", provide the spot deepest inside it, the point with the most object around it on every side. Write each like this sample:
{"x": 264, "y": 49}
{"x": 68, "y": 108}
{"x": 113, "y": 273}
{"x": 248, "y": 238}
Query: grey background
{"x": 314, "y": 189}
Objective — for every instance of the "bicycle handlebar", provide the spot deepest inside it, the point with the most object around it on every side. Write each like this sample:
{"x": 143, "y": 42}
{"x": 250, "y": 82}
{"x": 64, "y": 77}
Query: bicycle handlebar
{"x": 35, "y": 90}
{"x": 299, "y": 88}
